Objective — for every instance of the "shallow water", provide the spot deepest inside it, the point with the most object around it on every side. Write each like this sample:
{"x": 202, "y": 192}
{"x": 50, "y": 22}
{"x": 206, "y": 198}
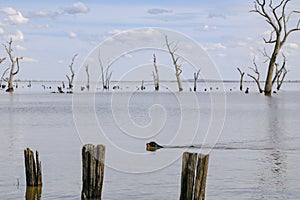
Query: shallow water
{"x": 257, "y": 155}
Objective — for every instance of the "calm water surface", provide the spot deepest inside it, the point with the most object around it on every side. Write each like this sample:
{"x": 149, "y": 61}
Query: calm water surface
{"x": 257, "y": 155}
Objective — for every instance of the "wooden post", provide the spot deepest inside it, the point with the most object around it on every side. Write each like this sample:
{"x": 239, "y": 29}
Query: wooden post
{"x": 187, "y": 175}
{"x": 93, "y": 158}
{"x": 193, "y": 179}
{"x": 201, "y": 174}
{"x": 33, "y": 169}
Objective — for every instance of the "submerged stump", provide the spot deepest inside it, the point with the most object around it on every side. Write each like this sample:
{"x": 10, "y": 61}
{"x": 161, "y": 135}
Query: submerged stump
{"x": 33, "y": 168}
{"x": 193, "y": 176}
{"x": 93, "y": 158}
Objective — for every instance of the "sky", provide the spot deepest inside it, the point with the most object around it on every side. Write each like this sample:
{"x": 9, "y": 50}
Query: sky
{"x": 48, "y": 33}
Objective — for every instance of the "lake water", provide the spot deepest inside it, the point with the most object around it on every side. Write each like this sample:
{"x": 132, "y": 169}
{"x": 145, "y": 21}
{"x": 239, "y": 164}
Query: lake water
{"x": 257, "y": 154}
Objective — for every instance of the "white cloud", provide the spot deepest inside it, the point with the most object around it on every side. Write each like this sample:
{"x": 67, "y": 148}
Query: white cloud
{"x": 9, "y": 11}
{"x": 115, "y": 31}
{"x": 216, "y": 15}
{"x": 20, "y": 48}
{"x": 157, "y": 11}
{"x": 222, "y": 55}
{"x": 16, "y": 19}
{"x": 292, "y": 45}
{"x": 29, "y": 60}
{"x": 1, "y": 31}
{"x": 209, "y": 28}
{"x": 215, "y": 46}
{"x": 18, "y": 36}
{"x": 77, "y": 8}
{"x": 43, "y": 14}
{"x": 242, "y": 44}
{"x": 72, "y": 34}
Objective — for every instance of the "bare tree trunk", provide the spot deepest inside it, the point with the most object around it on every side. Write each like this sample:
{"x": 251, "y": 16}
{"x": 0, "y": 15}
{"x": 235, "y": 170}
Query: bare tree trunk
{"x": 269, "y": 83}
{"x": 14, "y": 62}
{"x": 241, "y": 79}
{"x": 278, "y": 18}
{"x": 88, "y": 77}
{"x": 70, "y": 80}
{"x": 155, "y": 74}
{"x": 177, "y": 66}
{"x": 142, "y": 86}
{"x": 196, "y": 76}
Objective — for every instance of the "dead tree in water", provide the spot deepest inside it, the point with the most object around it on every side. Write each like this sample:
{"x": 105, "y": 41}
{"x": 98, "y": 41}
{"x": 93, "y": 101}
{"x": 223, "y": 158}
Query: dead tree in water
{"x": 172, "y": 50}
{"x": 105, "y": 74}
{"x": 241, "y": 79}
{"x": 14, "y": 61}
{"x": 278, "y": 18}
{"x": 70, "y": 80}
{"x": 88, "y": 77}
{"x": 256, "y": 79}
{"x": 155, "y": 74}
{"x": 196, "y": 76}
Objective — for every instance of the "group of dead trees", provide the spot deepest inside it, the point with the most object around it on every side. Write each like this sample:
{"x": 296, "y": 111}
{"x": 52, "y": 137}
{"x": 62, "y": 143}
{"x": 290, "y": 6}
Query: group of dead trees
{"x": 279, "y": 19}
{"x": 105, "y": 76}
{"x": 172, "y": 47}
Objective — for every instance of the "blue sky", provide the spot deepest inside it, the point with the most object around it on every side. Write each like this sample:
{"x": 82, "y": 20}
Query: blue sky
{"x": 48, "y": 33}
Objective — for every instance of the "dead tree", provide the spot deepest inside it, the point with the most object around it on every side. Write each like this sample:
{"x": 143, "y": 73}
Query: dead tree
{"x": 278, "y": 18}
{"x": 88, "y": 77}
{"x": 142, "y": 86}
{"x": 155, "y": 74}
{"x": 105, "y": 74}
{"x": 14, "y": 62}
{"x": 196, "y": 76}
{"x": 256, "y": 79}
{"x": 70, "y": 80}
{"x": 241, "y": 79}
{"x": 280, "y": 73}
{"x": 172, "y": 48}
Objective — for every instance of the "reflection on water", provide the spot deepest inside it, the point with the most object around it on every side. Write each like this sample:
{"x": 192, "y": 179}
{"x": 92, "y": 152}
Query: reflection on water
{"x": 273, "y": 174}
{"x": 33, "y": 193}
{"x": 257, "y": 156}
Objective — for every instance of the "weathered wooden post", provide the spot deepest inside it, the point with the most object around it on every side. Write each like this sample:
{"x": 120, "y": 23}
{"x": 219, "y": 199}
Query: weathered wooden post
{"x": 33, "y": 169}
{"x": 201, "y": 174}
{"x": 193, "y": 179}
{"x": 93, "y": 158}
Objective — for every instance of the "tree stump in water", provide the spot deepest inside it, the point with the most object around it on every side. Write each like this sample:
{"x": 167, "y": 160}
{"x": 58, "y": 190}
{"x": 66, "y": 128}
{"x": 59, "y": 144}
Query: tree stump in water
{"x": 193, "y": 176}
{"x": 93, "y": 158}
{"x": 33, "y": 169}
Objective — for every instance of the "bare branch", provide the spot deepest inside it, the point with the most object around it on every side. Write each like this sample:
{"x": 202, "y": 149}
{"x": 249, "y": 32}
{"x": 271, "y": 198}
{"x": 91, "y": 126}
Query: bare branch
{"x": 2, "y": 59}
{"x": 2, "y": 77}
{"x": 265, "y": 54}
{"x": 271, "y": 40}
{"x": 256, "y": 79}
{"x": 18, "y": 66}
